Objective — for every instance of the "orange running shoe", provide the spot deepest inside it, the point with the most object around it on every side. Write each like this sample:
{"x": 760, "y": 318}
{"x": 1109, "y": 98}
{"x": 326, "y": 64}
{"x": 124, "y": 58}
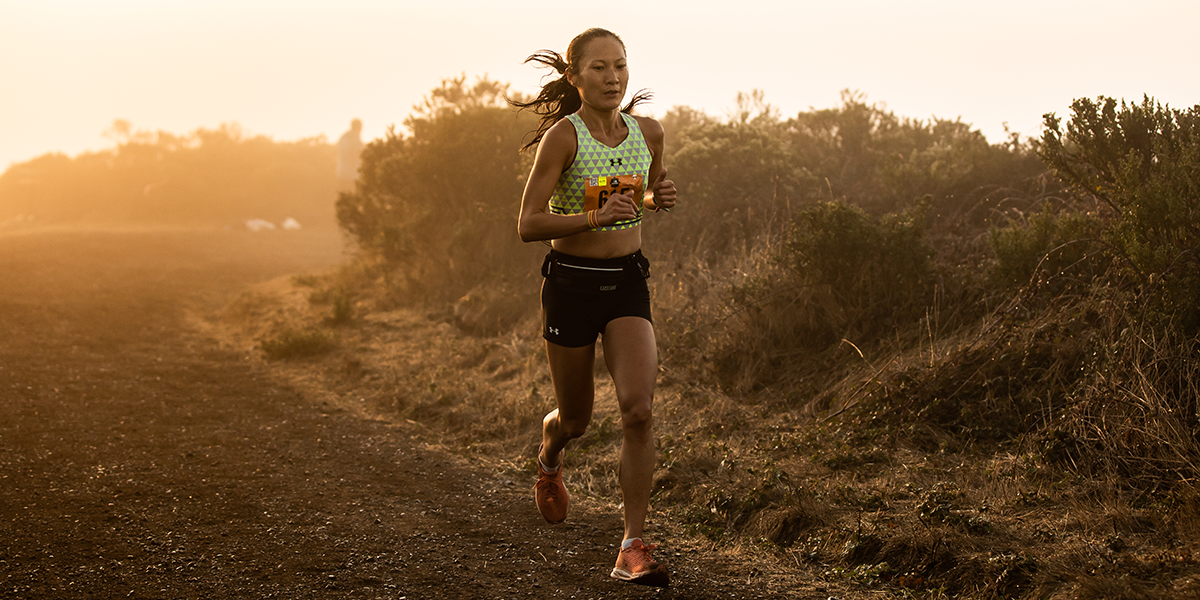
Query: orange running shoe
{"x": 550, "y": 493}
{"x": 635, "y": 565}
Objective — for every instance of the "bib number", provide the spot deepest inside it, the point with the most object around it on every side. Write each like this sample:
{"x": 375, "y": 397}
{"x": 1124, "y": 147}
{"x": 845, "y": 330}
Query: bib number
{"x": 597, "y": 190}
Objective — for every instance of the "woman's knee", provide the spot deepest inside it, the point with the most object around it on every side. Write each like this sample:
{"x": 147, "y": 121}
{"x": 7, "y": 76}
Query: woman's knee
{"x": 637, "y": 415}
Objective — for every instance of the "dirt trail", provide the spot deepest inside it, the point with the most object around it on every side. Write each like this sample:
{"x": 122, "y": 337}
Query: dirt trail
{"x": 139, "y": 458}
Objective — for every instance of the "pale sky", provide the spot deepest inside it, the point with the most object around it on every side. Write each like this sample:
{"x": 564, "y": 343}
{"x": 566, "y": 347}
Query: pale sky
{"x": 302, "y": 68}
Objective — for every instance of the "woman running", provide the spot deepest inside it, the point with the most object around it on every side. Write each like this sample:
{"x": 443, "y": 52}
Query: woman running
{"x": 586, "y": 194}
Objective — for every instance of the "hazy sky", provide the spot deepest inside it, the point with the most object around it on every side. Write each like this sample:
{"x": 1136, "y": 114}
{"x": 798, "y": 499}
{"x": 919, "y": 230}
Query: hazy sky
{"x": 302, "y": 68}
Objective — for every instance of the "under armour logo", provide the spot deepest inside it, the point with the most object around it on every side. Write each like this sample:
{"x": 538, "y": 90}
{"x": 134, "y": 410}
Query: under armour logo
{"x": 552, "y": 330}
{"x": 614, "y": 162}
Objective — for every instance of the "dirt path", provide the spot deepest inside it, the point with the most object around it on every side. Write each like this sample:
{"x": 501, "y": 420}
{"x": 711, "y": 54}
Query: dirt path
{"x": 141, "y": 459}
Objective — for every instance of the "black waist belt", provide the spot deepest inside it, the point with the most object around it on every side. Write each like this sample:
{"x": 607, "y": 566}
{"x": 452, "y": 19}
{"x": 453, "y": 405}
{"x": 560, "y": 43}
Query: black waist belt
{"x": 568, "y": 269}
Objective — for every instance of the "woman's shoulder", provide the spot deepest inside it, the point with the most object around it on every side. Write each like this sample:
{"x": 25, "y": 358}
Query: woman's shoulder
{"x": 652, "y": 130}
{"x": 562, "y": 131}
{"x": 559, "y": 142}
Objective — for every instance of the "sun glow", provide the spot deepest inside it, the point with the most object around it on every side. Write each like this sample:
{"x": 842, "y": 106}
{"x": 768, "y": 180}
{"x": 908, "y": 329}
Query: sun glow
{"x": 298, "y": 70}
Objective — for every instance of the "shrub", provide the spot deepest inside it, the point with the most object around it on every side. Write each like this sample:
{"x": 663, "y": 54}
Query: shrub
{"x": 839, "y": 275}
{"x": 737, "y": 180}
{"x": 877, "y": 271}
{"x": 876, "y": 160}
{"x": 440, "y": 204}
{"x": 1142, "y": 162}
{"x": 1065, "y": 246}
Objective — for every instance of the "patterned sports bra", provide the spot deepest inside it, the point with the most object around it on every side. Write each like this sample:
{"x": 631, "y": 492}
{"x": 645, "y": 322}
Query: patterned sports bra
{"x": 599, "y": 171}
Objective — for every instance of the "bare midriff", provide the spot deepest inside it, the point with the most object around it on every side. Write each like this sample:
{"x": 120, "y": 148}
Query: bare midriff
{"x": 601, "y": 244}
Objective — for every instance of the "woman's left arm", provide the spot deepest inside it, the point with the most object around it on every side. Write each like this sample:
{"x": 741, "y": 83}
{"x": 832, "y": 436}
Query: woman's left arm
{"x": 663, "y": 189}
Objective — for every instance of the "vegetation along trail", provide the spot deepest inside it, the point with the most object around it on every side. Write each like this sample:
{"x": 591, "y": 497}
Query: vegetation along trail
{"x": 141, "y": 457}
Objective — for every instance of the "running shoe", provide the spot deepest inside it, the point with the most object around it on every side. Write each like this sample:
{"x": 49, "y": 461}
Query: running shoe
{"x": 550, "y": 493}
{"x": 635, "y": 565}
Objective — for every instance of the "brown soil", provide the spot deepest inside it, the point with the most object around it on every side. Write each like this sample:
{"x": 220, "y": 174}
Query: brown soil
{"x": 143, "y": 457}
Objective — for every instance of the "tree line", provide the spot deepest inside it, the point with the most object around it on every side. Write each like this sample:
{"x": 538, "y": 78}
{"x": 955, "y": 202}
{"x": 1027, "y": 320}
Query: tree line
{"x": 213, "y": 177}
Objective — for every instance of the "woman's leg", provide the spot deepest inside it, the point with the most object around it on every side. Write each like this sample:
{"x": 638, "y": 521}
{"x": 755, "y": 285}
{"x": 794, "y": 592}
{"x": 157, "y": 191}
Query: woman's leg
{"x": 574, "y": 389}
{"x": 632, "y": 357}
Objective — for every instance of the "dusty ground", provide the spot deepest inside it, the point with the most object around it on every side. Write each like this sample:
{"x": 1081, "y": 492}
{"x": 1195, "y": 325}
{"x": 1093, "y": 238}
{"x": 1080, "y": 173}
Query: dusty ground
{"x": 142, "y": 458}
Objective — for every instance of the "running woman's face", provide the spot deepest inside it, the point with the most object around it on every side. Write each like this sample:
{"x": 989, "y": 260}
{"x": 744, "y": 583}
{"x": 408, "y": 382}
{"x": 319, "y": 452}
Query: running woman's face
{"x": 603, "y": 74}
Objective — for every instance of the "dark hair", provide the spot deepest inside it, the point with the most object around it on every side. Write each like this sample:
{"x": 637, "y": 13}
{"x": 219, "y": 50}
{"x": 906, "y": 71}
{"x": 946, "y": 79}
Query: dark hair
{"x": 559, "y": 98}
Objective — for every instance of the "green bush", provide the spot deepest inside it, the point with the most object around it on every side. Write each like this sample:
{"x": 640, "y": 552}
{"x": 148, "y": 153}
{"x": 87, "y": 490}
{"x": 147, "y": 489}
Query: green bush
{"x": 1099, "y": 371}
{"x": 1063, "y": 247}
{"x": 737, "y": 181}
{"x": 1141, "y": 162}
{"x": 840, "y": 275}
{"x": 744, "y": 179}
{"x": 880, "y": 162}
{"x": 877, "y": 271}
{"x": 440, "y": 204}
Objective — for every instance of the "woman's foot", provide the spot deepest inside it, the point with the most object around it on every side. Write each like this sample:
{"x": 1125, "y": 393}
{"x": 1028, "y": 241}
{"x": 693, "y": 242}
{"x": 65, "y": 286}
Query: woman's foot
{"x": 635, "y": 565}
{"x": 550, "y": 493}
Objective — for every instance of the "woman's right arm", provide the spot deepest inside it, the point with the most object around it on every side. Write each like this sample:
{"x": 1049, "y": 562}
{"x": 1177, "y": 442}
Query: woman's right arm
{"x": 554, "y": 155}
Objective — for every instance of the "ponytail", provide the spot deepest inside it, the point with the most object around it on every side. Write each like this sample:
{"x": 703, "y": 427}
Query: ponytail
{"x": 555, "y": 101}
{"x": 559, "y": 98}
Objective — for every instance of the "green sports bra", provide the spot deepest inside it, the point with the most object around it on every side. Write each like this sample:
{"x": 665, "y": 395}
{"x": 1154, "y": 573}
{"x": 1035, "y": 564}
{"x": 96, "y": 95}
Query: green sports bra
{"x": 599, "y": 171}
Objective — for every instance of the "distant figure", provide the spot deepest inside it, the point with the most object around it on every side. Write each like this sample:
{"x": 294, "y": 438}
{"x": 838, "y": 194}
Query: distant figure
{"x": 349, "y": 156}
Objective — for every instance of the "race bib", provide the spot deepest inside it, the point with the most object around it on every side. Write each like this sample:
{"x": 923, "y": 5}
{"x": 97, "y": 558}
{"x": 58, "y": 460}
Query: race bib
{"x": 596, "y": 190}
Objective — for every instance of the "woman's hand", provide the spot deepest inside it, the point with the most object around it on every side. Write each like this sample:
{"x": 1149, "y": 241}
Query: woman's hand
{"x": 664, "y": 191}
{"x": 618, "y": 207}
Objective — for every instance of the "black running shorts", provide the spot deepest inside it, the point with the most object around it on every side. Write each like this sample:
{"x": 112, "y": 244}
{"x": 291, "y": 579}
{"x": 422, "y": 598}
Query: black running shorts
{"x": 581, "y": 295}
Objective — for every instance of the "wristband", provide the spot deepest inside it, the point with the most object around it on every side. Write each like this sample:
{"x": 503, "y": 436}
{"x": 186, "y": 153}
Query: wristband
{"x": 654, "y": 204}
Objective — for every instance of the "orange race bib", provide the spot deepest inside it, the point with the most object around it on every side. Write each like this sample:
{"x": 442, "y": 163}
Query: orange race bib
{"x": 597, "y": 190}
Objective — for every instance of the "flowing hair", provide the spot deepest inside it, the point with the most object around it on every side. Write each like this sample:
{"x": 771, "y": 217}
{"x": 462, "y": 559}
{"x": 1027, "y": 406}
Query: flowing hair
{"x": 559, "y": 98}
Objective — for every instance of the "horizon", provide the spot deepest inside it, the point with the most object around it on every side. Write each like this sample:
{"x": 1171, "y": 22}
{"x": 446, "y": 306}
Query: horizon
{"x": 298, "y": 70}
